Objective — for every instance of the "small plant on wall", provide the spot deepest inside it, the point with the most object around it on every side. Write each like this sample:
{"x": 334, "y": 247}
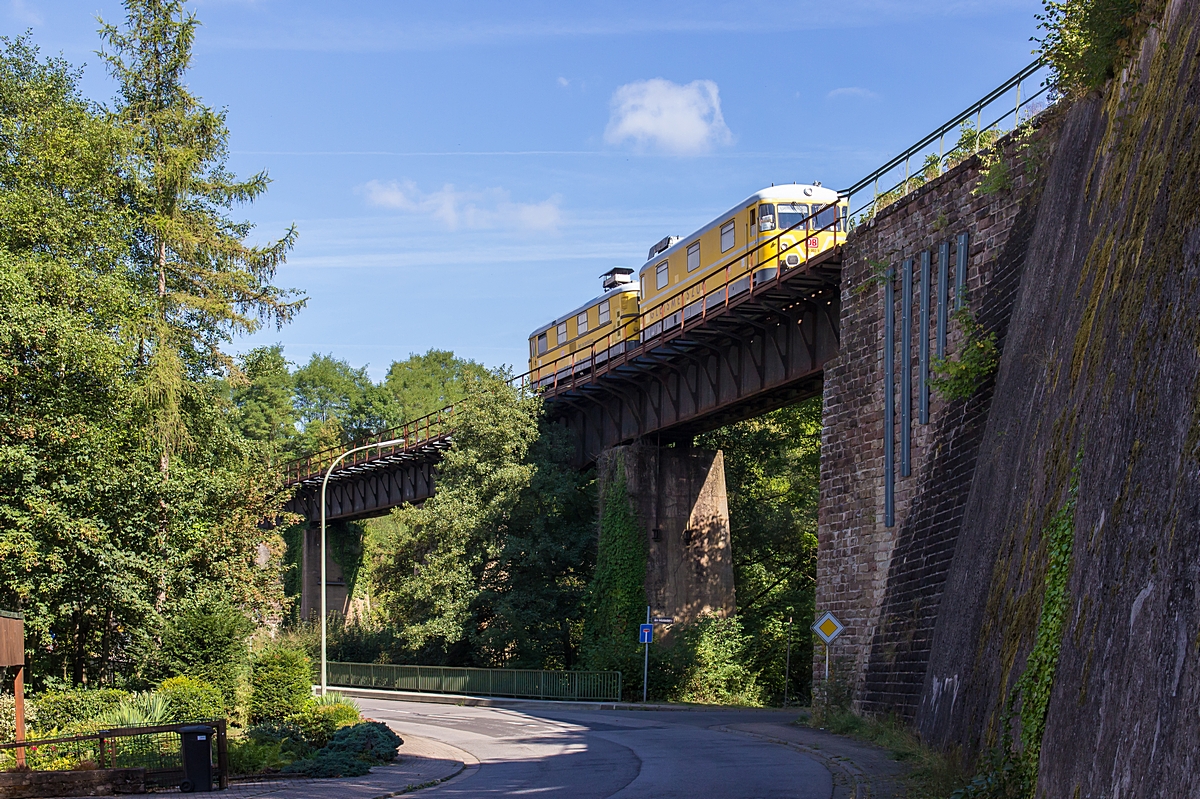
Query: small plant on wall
{"x": 959, "y": 378}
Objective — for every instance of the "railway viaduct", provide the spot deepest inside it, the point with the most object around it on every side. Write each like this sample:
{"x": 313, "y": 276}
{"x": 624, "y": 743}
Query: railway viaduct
{"x": 860, "y": 324}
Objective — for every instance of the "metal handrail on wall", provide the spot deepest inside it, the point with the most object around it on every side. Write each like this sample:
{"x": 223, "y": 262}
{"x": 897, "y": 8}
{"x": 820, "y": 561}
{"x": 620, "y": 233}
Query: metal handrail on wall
{"x": 972, "y": 113}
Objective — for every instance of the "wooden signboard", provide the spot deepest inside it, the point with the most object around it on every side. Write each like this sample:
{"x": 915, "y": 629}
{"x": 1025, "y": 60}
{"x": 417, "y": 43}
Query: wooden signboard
{"x": 12, "y": 639}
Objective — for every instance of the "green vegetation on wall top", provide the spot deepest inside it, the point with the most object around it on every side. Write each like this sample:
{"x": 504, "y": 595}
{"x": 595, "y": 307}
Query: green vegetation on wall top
{"x": 1087, "y": 41}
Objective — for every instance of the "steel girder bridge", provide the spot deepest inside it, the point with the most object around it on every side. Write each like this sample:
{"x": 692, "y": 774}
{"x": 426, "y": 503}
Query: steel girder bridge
{"x": 748, "y": 352}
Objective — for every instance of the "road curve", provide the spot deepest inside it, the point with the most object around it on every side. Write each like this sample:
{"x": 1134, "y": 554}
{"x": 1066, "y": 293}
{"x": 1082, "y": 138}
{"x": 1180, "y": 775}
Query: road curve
{"x": 546, "y": 752}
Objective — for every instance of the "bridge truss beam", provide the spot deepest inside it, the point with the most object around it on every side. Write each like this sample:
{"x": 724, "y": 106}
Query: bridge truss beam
{"x": 374, "y": 487}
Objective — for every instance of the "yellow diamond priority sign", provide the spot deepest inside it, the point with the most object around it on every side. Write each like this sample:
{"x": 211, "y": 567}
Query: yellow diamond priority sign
{"x": 827, "y": 627}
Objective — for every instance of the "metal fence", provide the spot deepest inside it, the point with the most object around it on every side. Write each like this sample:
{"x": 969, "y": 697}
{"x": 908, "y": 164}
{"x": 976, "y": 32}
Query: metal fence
{"x": 155, "y": 748}
{"x": 976, "y": 128}
{"x": 525, "y": 683}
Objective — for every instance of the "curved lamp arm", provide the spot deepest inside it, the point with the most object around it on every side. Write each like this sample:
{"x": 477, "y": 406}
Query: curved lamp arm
{"x": 324, "y": 600}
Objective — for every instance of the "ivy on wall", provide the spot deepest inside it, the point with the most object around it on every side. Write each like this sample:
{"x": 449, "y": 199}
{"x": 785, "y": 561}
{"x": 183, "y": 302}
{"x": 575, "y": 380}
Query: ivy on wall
{"x": 1037, "y": 680}
{"x": 959, "y": 378}
{"x": 617, "y": 601}
{"x": 1011, "y": 772}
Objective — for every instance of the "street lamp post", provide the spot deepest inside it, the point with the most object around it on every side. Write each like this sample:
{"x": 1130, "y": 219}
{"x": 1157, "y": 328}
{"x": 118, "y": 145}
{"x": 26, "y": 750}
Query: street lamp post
{"x": 324, "y": 600}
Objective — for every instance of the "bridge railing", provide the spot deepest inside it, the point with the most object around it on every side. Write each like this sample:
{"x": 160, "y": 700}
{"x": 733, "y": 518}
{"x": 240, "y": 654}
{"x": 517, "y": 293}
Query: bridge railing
{"x": 977, "y": 127}
{"x": 412, "y": 434}
{"x": 525, "y": 683}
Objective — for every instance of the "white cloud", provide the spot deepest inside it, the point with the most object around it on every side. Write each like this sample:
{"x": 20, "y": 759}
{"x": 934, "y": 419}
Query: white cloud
{"x": 489, "y": 208}
{"x": 853, "y": 91}
{"x": 23, "y": 13}
{"x": 685, "y": 120}
{"x": 564, "y": 82}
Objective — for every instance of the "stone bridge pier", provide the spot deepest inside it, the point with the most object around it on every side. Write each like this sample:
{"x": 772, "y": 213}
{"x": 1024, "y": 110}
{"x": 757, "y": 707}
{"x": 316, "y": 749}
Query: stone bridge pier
{"x": 677, "y": 494}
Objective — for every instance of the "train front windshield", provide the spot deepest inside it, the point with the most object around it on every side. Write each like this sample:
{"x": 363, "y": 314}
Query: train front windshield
{"x": 792, "y": 214}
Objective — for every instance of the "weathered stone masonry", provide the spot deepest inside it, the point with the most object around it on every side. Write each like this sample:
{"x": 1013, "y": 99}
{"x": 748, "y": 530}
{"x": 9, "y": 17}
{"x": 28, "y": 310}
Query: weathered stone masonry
{"x": 885, "y": 582}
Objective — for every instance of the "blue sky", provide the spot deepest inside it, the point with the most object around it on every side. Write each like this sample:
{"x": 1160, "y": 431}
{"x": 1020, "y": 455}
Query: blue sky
{"x": 461, "y": 173}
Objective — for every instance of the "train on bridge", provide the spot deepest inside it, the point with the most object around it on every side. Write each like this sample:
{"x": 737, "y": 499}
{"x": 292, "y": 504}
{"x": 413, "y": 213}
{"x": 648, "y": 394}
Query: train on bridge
{"x": 771, "y": 231}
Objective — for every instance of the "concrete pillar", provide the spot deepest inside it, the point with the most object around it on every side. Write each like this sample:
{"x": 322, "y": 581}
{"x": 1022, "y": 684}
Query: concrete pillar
{"x": 310, "y": 580}
{"x": 678, "y": 496}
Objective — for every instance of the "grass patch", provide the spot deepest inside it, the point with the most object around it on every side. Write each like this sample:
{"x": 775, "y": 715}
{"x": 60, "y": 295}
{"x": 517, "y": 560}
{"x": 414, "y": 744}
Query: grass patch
{"x": 932, "y": 774}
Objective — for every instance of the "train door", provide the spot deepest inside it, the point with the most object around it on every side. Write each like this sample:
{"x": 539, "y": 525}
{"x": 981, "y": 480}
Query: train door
{"x": 752, "y": 236}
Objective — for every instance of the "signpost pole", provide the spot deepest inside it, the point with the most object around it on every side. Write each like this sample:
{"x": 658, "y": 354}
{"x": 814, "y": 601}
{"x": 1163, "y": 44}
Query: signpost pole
{"x": 646, "y": 660}
{"x": 827, "y": 628}
{"x": 19, "y": 712}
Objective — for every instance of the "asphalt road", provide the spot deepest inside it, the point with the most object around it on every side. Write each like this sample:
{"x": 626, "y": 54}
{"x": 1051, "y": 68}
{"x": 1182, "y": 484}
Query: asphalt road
{"x": 550, "y": 752}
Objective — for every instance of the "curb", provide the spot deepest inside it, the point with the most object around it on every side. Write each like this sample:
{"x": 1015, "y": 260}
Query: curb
{"x": 849, "y": 781}
{"x": 468, "y": 764}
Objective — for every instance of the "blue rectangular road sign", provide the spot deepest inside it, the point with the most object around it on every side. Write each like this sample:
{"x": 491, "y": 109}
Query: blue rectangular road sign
{"x": 646, "y": 634}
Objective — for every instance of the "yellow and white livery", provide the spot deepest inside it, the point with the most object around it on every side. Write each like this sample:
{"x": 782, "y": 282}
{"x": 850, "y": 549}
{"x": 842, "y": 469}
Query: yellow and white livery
{"x": 588, "y": 335}
{"x": 776, "y": 228}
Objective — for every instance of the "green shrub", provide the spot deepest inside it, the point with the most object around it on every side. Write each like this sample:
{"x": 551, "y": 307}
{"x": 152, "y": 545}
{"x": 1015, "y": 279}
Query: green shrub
{"x": 337, "y": 764}
{"x": 191, "y": 699}
{"x": 351, "y": 752}
{"x": 335, "y": 698}
{"x": 371, "y": 741}
{"x": 1086, "y": 40}
{"x": 57, "y": 710}
{"x": 280, "y": 684}
{"x": 8, "y": 717}
{"x": 318, "y": 722}
{"x": 253, "y": 756}
{"x": 979, "y": 357}
{"x": 289, "y": 737}
{"x": 717, "y": 670}
{"x": 134, "y": 711}
{"x": 210, "y": 642}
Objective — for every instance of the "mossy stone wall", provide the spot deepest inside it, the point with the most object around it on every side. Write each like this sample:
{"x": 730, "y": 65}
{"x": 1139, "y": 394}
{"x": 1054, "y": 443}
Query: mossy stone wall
{"x": 1082, "y": 633}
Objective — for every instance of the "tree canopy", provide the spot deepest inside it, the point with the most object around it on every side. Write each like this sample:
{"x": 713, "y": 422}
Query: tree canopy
{"x": 97, "y": 546}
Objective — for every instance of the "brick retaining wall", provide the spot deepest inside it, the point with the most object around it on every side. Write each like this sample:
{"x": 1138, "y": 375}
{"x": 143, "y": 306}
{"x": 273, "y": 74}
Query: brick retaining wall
{"x": 884, "y": 583}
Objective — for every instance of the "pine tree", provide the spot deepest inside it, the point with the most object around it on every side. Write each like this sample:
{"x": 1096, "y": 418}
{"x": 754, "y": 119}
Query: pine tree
{"x": 203, "y": 282}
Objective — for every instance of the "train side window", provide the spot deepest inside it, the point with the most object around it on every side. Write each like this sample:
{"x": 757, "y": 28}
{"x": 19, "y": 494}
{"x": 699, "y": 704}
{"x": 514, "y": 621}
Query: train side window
{"x": 728, "y": 236}
{"x": 603, "y": 308}
{"x": 660, "y": 276}
{"x": 826, "y": 217}
{"x": 766, "y": 217}
{"x": 843, "y": 225}
{"x": 581, "y": 323}
{"x": 694, "y": 257}
{"x": 542, "y": 344}
{"x": 643, "y": 292}
{"x": 562, "y": 333}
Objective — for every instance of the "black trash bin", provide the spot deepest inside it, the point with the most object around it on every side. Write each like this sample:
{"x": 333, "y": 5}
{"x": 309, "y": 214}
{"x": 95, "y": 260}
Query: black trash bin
{"x": 197, "y": 758}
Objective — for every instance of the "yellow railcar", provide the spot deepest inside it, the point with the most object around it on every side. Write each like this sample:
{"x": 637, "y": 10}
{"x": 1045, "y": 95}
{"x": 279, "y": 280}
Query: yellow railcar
{"x": 776, "y": 228}
{"x": 588, "y": 335}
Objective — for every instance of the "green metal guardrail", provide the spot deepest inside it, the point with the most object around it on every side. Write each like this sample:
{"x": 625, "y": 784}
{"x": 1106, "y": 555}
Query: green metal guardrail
{"x": 525, "y": 683}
